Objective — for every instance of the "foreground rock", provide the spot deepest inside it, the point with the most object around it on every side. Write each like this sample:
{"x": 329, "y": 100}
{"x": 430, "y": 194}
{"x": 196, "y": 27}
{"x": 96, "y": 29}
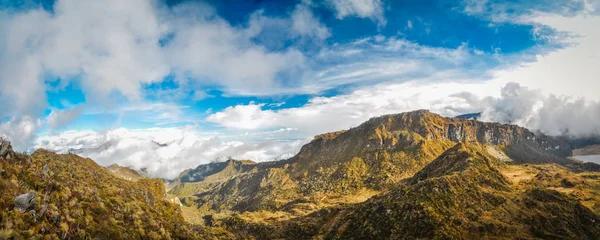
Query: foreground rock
{"x": 5, "y": 148}
{"x": 24, "y": 201}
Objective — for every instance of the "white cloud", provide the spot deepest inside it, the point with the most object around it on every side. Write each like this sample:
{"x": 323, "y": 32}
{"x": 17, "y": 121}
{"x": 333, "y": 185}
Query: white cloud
{"x": 113, "y": 47}
{"x": 571, "y": 71}
{"x": 185, "y": 148}
{"x": 500, "y": 102}
{"x": 396, "y": 60}
{"x": 213, "y": 52}
{"x": 60, "y": 118}
{"x": 325, "y": 114}
{"x": 359, "y": 8}
{"x": 20, "y": 131}
{"x": 531, "y": 108}
{"x": 305, "y": 23}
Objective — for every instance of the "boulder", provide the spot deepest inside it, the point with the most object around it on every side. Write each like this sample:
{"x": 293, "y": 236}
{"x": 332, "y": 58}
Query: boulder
{"x": 5, "y": 147}
{"x": 24, "y": 201}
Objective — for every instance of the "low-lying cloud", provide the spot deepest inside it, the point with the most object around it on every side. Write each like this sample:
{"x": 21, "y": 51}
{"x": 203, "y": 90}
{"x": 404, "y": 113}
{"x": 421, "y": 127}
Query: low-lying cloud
{"x": 165, "y": 152}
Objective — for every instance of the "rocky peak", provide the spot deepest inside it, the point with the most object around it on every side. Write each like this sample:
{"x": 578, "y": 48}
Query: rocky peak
{"x": 410, "y": 131}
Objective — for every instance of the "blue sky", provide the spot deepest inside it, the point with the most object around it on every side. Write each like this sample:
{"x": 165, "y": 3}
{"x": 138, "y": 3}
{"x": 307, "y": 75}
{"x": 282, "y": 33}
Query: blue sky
{"x": 280, "y": 70}
{"x": 434, "y": 24}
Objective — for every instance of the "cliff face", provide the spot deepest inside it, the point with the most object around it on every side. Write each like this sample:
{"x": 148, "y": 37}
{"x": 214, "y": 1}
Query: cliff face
{"x": 386, "y": 132}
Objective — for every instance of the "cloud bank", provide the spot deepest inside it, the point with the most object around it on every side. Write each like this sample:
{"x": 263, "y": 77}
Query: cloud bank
{"x": 166, "y": 152}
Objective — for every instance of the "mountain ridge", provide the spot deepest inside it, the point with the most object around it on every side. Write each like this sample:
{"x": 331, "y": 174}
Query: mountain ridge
{"x": 375, "y": 155}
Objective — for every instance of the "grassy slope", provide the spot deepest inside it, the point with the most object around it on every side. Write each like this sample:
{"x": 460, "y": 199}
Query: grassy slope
{"x": 84, "y": 200}
{"x": 465, "y": 193}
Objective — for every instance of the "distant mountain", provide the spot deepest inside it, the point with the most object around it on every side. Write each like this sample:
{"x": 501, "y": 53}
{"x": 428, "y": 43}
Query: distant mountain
{"x": 206, "y": 176}
{"x": 588, "y": 150}
{"x": 470, "y": 116}
{"x": 126, "y": 173}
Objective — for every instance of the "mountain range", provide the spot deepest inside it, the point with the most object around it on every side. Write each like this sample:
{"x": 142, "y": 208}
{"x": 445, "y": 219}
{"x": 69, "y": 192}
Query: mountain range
{"x": 399, "y": 176}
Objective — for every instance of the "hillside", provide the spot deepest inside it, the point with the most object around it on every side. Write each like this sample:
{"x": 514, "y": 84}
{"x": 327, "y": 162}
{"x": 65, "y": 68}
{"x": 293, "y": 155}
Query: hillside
{"x": 587, "y": 150}
{"x": 48, "y": 195}
{"x": 466, "y": 193}
{"x": 207, "y": 176}
{"x": 462, "y": 194}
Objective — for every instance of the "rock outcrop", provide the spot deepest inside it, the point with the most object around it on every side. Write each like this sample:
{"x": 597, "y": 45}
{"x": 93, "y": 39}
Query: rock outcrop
{"x": 5, "y": 148}
{"x": 24, "y": 202}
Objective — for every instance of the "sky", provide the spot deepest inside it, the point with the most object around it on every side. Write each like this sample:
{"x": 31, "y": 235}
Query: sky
{"x": 168, "y": 85}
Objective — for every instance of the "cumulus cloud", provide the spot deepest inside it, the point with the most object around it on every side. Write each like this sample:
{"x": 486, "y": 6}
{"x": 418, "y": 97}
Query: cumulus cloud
{"x": 166, "y": 152}
{"x": 325, "y": 114}
{"x": 514, "y": 104}
{"x": 569, "y": 71}
{"x": 550, "y": 114}
{"x": 359, "y": 8}
{"x": 116, "y": 47}
{"x": 60, "y": 118}
{"x": 20, "y": 131}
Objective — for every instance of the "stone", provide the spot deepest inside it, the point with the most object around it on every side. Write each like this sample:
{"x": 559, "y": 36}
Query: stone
{"x": 43, "y": 211}
{"x": 5, "y": 147}
{"x": 32, "y": 213}
{"x": 24, "y": 201}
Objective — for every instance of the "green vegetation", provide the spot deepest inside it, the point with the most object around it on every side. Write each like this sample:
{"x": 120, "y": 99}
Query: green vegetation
{"x": 76, "y": 198}
{"x": 411, "y": 175}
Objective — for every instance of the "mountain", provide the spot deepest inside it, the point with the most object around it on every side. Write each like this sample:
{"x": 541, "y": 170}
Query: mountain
{"x": 399, "y": 176}
{"x": 49, "y": 195}
{"x": 126, "y": 173}
{"x": 465, "y": 193}
{"x": 375, "y": 155}
{"x": 408, "y": 175}
{"x": 206, "y": 176}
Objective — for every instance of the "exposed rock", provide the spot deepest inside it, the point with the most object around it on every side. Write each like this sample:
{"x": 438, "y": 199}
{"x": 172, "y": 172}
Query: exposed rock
{"x": 5, "y": 147}
{"x": 32, "y": 213}
{"x": 43, "y": 211}
{"x": 24, "y": 201}
{"x": 46, "y": 170}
